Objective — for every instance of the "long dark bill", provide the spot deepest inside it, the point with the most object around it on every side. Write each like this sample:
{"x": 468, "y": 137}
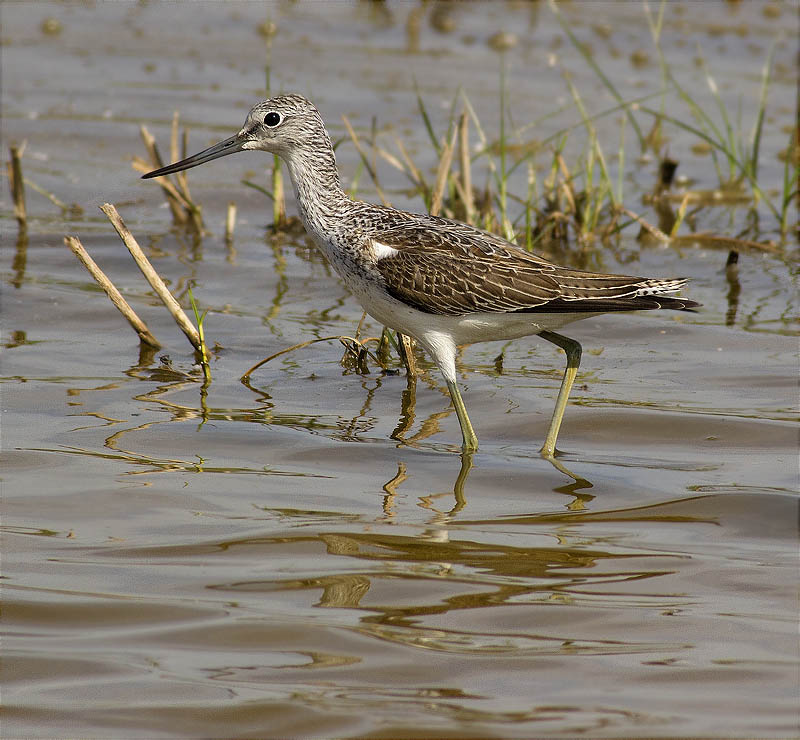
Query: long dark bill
{"x": 229, "y": 146}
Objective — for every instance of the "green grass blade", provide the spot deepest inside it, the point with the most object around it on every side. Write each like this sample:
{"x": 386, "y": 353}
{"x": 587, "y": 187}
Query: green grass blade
{"x": 755, "y": 145}
{"x": 427, "y": 121}
{"x": 260, "y": 189}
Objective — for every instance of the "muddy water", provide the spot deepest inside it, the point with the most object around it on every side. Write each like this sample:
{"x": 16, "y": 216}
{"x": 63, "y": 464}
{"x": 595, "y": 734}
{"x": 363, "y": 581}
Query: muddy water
{"x": 267, "y": 561}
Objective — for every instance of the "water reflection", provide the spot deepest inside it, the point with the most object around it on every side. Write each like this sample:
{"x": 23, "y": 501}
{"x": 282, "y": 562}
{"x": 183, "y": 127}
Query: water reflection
{"x": 166, "y": 384}
{"x": 20, "y": 257}
{"x": 404, "y": 581}
{"x": 734, "y": 287}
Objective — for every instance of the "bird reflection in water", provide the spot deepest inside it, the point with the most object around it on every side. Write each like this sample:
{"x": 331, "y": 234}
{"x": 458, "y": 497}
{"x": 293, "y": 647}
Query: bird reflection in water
{"x": 573, "y": 489}
{"x": 428, "y": 428}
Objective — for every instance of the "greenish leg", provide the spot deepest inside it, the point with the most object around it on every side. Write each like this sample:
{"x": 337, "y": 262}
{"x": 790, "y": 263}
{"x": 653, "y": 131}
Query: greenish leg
{"x": 573, "y": 350}
{"x": 467, "y": 432}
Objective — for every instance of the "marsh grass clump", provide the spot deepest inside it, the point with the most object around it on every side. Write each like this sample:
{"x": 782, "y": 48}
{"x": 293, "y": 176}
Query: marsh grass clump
{"x": 562, "y": 203}
{"x": 541, "y": 197}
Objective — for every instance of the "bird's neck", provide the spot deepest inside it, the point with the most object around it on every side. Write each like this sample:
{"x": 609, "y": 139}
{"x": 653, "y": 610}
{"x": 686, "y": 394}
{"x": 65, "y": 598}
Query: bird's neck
{"x": 316, "y": 186}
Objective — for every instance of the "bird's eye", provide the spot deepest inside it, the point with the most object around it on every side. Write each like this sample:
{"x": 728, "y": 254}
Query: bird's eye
{"x": 272, "y": 119}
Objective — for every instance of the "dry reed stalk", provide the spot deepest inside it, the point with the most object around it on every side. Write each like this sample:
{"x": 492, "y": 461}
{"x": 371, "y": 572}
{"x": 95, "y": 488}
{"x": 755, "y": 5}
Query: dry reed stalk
{"x": 395, "y": 162}
{"x": 17, "y": 184}
{"x": 47, "y": 194}
{"x": 442, "y": 173}
{"x": 278, "y": 197}
{"x": 180, "y": 202}
{"x": 567, "y": 187}
{"x": 111, "y": 291}
{"x": 170, "y": 192}
{"x": 680, "y": 216}
{"x": 466, "y": 168}
{"x": 173, "y": 140}
{"x": 182, "y": 178}
{"x": 185, "y": 208}
{"x": 230, "y": 221}
{"x": 649, "y": 228}
{"x": 415, "y": 171}
{"x": 406, "y": 347}
{"x": 152, "y": 277}
{"x": 408, "y": 169}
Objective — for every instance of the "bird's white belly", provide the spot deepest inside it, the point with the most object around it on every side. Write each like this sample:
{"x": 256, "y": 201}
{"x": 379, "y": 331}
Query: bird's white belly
{"x": 465, "y": 329}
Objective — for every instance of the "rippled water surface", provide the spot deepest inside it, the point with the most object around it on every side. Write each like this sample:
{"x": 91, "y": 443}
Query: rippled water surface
{"x": 268, "y": 560}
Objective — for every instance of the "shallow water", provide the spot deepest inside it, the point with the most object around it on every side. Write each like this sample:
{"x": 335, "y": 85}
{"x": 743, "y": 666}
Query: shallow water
{"x": 267, "y": 561}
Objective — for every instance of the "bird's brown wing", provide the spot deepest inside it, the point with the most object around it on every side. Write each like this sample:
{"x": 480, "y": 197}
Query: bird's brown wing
{"x": 446, "y": 267}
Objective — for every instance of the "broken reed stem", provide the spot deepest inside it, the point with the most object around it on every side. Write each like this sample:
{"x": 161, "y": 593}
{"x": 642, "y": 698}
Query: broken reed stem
{"x": 230, "y": 221}
{"x": 17, "y": 184}
{"x": 111, "y": 291}
{"x": 406, "y": 349}
{"x": 441, "y": 174}
{"x": 153, "y": 277}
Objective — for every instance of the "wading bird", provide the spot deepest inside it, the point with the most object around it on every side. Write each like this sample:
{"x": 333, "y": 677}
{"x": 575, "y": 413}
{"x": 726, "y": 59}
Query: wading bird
{"x": 440, "y": 281}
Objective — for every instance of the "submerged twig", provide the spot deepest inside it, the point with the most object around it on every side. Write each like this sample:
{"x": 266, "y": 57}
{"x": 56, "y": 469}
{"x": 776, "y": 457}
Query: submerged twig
{"x": 181, "y": 319}
{"x": 709, "y": 239}
{"x": 340, "y": 337}
{"x": 111, "y": 291}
